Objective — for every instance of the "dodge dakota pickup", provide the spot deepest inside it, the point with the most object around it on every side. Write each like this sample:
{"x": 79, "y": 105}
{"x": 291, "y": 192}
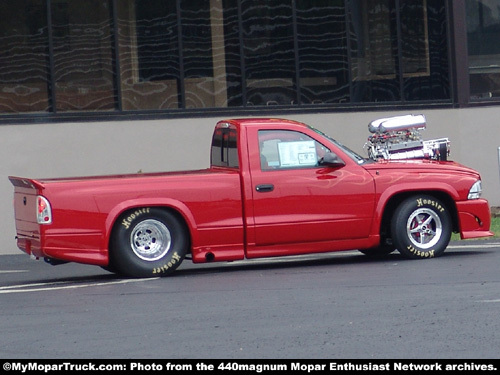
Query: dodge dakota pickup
{"x": 274, "y": 187}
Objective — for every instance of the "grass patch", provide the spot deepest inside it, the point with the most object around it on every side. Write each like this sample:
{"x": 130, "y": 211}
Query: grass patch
{"x": 495, "y": 228}
{"x": 495, "y": 225}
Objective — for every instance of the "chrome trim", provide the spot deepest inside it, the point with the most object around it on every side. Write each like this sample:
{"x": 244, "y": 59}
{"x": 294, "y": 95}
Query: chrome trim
{"x": 397, "y": 123}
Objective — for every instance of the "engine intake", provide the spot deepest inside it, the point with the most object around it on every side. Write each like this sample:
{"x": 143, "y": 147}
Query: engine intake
{"x": 398, "y": 137}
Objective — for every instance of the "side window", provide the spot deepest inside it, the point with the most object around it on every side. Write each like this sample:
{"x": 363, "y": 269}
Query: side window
{"x": 224, "y": 151}
{"x": 284, "y": 149}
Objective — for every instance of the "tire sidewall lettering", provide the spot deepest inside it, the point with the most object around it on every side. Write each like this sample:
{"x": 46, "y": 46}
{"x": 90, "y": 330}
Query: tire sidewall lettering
{"x": 423, "y": 202}
{"x": 127, "y": 221}
{"x": 421, "y": 254}
{"x": 167, "y": 266}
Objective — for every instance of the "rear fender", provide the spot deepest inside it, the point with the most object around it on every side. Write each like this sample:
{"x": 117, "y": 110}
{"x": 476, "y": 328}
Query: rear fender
{"x": 137, "y": 207}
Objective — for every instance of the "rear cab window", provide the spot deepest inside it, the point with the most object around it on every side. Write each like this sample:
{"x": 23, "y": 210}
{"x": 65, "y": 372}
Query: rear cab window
{"x": 224, "y": 152}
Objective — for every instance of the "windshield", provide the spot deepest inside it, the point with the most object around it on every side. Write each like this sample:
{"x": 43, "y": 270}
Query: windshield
{"x": 353, "y": 155}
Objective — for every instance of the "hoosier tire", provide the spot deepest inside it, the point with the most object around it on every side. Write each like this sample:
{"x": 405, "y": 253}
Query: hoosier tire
{"x": 421, "y": 227}
{"x": 148, "y": 242}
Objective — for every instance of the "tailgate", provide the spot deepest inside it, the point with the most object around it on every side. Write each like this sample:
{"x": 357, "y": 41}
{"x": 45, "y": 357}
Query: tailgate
{"x": 25, "y": 210}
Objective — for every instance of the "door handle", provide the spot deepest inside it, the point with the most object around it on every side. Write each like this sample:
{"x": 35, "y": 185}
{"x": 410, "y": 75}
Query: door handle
{"x": 264, "y": 188}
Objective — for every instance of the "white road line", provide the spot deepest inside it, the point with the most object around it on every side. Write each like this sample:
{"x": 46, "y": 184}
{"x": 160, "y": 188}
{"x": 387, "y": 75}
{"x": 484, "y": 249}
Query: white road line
{"x": 490, "y": 301}
{"x": 60, "y": 285}
{"x": 13, "y": 271}
{"x": 475, "y": 246}
{"x": 31, "y": 285}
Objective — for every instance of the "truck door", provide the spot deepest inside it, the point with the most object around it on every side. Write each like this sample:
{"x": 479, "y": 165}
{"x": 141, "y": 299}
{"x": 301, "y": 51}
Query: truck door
{"x": 297, "y": 201}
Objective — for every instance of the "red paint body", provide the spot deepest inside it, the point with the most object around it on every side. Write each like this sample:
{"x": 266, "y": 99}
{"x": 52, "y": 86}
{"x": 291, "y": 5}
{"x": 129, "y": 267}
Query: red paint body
{"x": 309, "y": 210}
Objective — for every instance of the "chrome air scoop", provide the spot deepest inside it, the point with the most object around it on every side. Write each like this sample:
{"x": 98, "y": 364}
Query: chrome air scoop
{"x": 397, "y": 138}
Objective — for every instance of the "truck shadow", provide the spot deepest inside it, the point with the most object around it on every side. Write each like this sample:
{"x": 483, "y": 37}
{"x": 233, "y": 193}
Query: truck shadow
{"x": 309, "y": 261}
{"x": 77, "y": 275}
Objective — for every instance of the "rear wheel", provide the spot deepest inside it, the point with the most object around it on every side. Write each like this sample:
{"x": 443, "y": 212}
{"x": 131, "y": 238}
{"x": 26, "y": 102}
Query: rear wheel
{"x": 421, "y": 227}
{"x": 148, "y": 242}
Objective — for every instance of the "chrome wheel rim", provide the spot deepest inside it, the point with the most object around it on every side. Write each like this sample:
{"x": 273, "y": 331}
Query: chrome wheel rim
{"x": 424, "y": 228}
{"x": 150, "y": 240}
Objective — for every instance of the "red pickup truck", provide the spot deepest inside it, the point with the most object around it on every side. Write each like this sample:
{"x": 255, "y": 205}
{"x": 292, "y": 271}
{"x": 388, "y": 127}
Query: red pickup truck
{"x": 275, "y": 187}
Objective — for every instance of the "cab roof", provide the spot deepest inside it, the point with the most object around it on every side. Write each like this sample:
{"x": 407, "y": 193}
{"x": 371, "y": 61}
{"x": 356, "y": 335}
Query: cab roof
{"x": 255, "y": 121}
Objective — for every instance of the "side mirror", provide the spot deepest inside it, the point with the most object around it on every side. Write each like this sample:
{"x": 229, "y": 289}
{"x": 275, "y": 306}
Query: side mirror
{"x": 331, "y": 160}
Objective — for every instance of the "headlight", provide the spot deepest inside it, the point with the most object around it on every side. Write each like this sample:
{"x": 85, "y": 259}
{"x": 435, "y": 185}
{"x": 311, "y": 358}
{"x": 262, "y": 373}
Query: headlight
{"x": 475, "y": 191}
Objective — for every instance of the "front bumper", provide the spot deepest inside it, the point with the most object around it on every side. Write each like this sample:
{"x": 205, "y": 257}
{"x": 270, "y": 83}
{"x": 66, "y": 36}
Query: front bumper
{"x": 474, "y": 218}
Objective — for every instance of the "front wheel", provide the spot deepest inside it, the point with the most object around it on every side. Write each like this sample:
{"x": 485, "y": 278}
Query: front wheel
{"x": 148, "y": 242}
{"x": 421, "y": 227}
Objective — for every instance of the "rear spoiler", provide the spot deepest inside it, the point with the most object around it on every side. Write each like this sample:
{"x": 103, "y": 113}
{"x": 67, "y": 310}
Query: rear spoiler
{"x": 26, "y": 183}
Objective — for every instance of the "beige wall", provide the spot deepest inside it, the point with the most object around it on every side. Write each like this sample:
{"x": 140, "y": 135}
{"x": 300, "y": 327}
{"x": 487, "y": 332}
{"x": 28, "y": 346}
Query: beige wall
{"x": 93, "y": 148}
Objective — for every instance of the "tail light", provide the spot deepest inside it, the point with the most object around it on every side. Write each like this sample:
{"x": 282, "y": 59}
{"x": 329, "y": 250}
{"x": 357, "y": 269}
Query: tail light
{"x": 43, "y": 210}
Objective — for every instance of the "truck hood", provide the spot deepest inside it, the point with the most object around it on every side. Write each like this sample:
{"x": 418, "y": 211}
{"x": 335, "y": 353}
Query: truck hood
{"x": 430, "y": 166}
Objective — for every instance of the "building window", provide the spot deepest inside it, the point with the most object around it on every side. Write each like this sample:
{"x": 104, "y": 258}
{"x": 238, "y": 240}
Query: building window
{"x": 184, "y": 55}
{"x": 199, "y": 46}
{"x": 24, "y": 56}
{"x": 83, "y": 55}
{"x": 398, "y": 50}
{"x": 148, "y": 41}
{"x": 483, "y": 35}
{"x": 268, "y": 53}
{"x": 426, "y": 74}
{"x": 322, "y": 51}
{"x": 167, "y": 51}
{"x": 373, "y": 51}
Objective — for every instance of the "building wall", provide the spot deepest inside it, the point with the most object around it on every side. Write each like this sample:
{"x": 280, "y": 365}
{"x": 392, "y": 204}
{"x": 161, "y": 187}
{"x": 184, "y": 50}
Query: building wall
{"x": 93, "y": 148}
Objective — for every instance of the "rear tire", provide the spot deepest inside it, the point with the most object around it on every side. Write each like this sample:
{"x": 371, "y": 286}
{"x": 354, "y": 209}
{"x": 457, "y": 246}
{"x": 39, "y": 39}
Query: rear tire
{"x": 148, "y": 242}
{"x": 421, "y": 227}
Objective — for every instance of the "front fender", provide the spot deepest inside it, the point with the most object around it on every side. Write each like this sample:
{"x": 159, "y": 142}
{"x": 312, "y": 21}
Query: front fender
{"x": 405, "y": 190}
